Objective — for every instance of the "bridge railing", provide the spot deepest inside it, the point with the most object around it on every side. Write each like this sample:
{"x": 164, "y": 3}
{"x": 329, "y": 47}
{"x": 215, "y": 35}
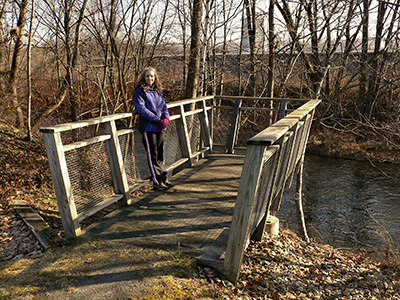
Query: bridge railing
{"x": 100, "y": 161}
{"x": 272, "y": 158}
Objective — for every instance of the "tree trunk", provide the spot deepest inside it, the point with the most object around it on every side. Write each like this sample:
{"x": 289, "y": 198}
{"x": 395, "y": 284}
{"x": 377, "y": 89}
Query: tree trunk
{"x": 364, "y": 58}
{"x": 29, "y": 75}
{"x": 250, "y": 9}
{"x": 195, "y": 46}
{"x": 17, "y": 33}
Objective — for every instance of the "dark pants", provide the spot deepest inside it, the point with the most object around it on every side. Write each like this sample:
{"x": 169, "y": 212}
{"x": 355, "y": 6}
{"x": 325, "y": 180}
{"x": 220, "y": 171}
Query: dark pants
{"x": 154, "y": 144}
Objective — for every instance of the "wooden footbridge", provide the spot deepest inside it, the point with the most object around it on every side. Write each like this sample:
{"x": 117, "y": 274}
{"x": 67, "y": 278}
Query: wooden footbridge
{"x": 227, "y": 182}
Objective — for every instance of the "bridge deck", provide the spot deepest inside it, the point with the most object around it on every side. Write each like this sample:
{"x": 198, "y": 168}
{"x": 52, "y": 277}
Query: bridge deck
{"x": 193, "y": 213}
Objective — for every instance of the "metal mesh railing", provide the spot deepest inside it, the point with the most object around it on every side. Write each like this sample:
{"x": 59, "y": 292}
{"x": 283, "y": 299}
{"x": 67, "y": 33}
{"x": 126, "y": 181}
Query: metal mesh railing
{"x": 134, "y": 157}
{"x": 90, "y": 176}
{"x": 222, "y": 119}
{"x": 194, "y": 131}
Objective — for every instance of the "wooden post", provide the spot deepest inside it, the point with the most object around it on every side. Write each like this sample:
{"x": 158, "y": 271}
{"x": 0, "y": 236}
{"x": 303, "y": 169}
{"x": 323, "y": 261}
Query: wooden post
{"x": 299, "y": 203}
{"x": 234, "y": 126}
{"x": 206, "y": 126}
{"x": 184, "y": 136}
{"x": 117, "y": 163}
{"x": 282, "y": 111}
{"x": 239, "y": 231}
{"x": 62, "y": 185}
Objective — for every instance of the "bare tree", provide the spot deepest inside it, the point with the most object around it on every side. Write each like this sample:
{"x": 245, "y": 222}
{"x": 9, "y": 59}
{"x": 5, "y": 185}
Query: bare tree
{"x": 72, "y": 54}
{"x": 17, "y": 34}
{"x": 29, "y": 73}
{"x": 195, "y": 47}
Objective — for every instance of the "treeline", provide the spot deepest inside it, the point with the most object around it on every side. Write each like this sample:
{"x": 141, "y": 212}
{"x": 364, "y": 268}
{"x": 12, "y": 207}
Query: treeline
{"x": 69, "y": 60}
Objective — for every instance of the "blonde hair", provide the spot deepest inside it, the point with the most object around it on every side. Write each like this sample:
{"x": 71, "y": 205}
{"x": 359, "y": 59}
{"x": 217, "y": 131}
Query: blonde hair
{"x": 157, "y": 82}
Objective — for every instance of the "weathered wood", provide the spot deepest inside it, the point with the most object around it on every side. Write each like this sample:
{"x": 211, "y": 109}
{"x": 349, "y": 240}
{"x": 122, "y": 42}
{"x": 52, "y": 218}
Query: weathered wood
{"x": 184, "y": 135}
{"x": 62, "y": 185}
{"x": 271, "y": 134}
{"x": 261, "y": 98}
{"x": 99, "y": 206}
{"x": 239, "y": 235}
{"x": 85, "y": 123}
{"x": 215, "y": 254}
{"x": 116, "y": 162}
{"x": 77, "y": 145}
{"x": 267, "y": 184}
{"x": 282, "y": 110}
{"x": 205, "y": 125}
{"x": 296, "y": 148}
{"x": 125, "y": 131}
{"x": 188, "y": 101}
{"x": 282, "y": 170}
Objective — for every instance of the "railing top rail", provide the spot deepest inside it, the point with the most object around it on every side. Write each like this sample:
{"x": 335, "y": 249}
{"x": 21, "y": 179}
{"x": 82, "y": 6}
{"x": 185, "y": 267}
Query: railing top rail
{"x": 262, "y": 98}
{"x": 188, "y": 101}
{"x": 85, "y": 123}
{"x": 103, "y": 119}
{"x": 271, "y": 134}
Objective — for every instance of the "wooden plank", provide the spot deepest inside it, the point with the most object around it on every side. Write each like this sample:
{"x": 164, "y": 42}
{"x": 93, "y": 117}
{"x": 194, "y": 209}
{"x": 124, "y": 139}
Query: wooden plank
{"x": 261, "y": 98}
{"x": 177, "y": 164}
{"x": 200, "y": 152}
{"x": 205, "y": 125}
{"x": 197, "y": 111}
{"x": 282, "y": 110}
{"x": 126, "y": 131}
{"x": 215, "y": 254}
{"x": 99, "y": 206}
{"x": 87, "y": 142}
{"x": 271, "y": 134}
{"x": 239, "y": 231}
{"x": 85, "y": 123}
{"x": 62, "y": 185}
{"x": 258, "y": 109}
{"x": 293, "y": 161}
{"x": 184, "y": 135}
{"x": 188, "y": 101}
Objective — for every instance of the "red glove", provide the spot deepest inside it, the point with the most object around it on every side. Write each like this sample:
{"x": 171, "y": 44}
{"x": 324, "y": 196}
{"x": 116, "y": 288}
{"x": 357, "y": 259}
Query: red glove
{"x": 163, "y": 123}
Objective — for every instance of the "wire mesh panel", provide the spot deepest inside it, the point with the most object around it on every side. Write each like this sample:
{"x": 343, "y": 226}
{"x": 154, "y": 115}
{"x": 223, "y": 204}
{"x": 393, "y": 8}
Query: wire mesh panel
{"x": 134, "y": 157}
{"x": 194, "y": 132}
{"x": 173, "y": 152}
{"x": 90, "y": 176}
{"x": 222, "y": 119}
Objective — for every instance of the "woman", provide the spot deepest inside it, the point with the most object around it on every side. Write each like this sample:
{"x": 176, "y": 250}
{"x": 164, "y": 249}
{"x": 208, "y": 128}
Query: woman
{"x": 154, "y": 119}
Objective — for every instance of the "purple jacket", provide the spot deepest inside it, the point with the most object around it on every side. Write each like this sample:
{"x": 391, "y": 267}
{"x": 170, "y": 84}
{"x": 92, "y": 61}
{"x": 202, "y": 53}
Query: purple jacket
{"x": 151, "y": 107}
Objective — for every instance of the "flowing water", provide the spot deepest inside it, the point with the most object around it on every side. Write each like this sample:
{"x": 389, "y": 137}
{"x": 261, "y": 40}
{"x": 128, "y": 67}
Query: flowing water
{"x": 348, "y": 204}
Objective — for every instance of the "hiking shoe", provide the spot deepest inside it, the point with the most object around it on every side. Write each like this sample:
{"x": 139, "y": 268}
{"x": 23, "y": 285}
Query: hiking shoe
{"x": 169, "y": 184}
{"x": 160, "y": 187}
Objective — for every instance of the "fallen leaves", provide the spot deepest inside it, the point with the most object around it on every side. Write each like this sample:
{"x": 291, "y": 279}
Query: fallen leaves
{"x": 286, "y": 267}
{"x": 16, "y": 240}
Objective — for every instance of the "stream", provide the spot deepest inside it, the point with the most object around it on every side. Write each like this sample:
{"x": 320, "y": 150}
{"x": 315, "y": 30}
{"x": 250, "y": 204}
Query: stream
{"x": 348, "y": 204}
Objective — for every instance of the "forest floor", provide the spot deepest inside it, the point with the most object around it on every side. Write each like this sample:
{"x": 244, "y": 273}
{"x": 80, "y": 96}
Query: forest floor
{"x": 282, "y": 267}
